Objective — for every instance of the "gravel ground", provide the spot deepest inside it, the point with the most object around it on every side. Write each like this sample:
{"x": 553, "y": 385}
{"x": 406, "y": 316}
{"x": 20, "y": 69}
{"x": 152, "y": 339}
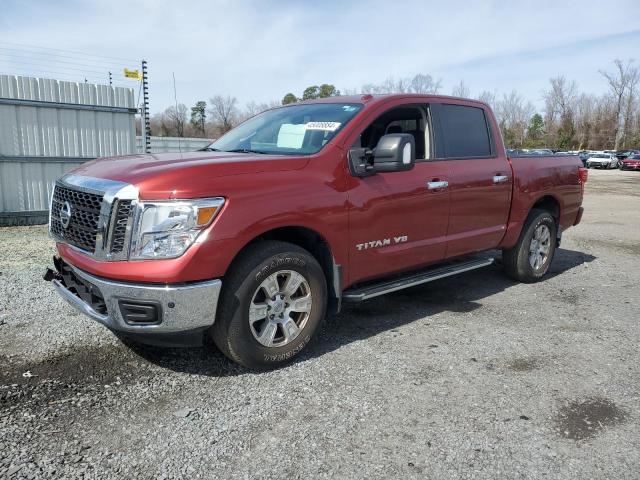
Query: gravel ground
{"x": 470, "y": 377}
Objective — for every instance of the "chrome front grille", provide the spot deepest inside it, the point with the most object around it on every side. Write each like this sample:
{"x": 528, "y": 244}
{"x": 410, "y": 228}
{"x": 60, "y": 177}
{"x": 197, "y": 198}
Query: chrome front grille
{"x": 82, "y": 228}
{"x": 122, "y": 212}
{"x": 94, "y": 215}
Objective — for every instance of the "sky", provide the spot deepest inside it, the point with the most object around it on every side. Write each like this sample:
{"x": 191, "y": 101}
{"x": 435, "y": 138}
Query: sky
{"x": 260, "y": 50}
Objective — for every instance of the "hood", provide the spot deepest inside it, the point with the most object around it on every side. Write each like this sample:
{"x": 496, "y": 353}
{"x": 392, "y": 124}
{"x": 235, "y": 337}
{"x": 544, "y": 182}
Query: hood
{"x": 184, "y": 175}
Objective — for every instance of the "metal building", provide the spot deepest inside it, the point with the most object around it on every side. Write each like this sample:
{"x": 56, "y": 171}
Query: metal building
{"x": 48, "y": 127}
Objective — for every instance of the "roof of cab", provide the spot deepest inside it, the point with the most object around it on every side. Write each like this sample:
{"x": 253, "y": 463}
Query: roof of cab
{"x": 369, "y": 99}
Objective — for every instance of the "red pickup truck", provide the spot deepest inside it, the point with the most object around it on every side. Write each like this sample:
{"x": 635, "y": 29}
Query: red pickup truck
{"x": 297, "y": 210}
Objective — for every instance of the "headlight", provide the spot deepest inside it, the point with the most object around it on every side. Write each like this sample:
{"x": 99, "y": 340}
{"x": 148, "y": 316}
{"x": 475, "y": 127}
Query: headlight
{"x": 166, "y": 229}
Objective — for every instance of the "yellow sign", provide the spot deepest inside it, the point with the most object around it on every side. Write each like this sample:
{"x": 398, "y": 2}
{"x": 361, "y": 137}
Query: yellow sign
{"x": 132, "y": 74}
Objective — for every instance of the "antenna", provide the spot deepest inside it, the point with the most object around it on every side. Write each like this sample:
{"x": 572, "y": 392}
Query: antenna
{"x": 175, "y": 98}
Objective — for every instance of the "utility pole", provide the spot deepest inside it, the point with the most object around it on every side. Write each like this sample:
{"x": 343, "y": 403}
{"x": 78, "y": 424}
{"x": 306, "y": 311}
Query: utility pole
{"x": 146, "y": 122}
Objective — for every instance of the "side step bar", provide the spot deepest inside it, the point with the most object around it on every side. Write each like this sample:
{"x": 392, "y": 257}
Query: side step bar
{"x": 388, "y": 286}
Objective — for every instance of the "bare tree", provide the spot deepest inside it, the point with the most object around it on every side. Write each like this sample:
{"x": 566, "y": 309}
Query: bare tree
{"x": 631, "y": 108}
{"x": 622, "y": 84}
{"x": 461, "y": 90}
{"x": 420, "y": 83}
{"x": 224, "y": 112}
{"x": 254, "y": 108}
{"x": 391, "y": 85}
{"x": 425, "y": 83}
{"x": 559, "y": 106}
{"x": 175, "y": 119}
{"x": 585, "y": 120}
{"x": 513, "y": 114}
{"x": 488, "y": 97}
{"x": 560, "y": 98}
{"x": 602, "y": 134}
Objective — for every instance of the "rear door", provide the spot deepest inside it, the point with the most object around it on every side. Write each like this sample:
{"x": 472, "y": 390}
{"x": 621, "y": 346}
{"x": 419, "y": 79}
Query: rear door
{"x": 480, "y": 183}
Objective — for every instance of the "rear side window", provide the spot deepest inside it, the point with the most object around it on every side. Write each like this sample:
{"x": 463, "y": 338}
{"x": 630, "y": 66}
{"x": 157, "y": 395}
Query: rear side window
{"x": 465, "y": 132}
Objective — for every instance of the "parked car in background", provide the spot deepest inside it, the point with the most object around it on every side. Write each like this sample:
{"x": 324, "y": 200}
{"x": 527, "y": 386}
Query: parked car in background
{"x": 541, "y": 151}
{"x": 630, "y": 163}
{"x": 602, "y": 160}
{"x": 622, "y": 154}
{"x": 583, "y": 157}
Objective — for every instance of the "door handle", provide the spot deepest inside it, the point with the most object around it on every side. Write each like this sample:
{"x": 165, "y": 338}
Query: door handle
{"x": 500, "y": 178}
{"x": 436, "y": 184}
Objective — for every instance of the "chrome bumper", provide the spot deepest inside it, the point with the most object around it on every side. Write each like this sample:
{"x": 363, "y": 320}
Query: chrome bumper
{"x": 183, "y": 308}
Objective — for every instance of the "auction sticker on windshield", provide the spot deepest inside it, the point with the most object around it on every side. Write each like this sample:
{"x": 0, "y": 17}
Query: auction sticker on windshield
{"x": 327, "y": 126}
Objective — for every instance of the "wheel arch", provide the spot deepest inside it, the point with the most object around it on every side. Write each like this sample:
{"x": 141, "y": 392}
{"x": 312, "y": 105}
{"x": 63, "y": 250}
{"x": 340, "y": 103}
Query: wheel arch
{"x": 519, "y": 216}
{"x": 313, "y": 242}
{"x": 549, "y": 203}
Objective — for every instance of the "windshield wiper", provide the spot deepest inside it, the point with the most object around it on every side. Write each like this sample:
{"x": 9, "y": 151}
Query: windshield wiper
{"x": 246, "y": 150}
{"x": 210, "y": 149}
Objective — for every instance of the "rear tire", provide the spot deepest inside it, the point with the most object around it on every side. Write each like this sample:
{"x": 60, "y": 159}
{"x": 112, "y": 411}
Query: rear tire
{"x": 273, "y": 301}
{"x": 529, "y": 260}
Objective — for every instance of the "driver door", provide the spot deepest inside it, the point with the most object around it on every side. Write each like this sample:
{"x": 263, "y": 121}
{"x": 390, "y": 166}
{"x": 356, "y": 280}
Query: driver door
{"x": 397, "y": 222}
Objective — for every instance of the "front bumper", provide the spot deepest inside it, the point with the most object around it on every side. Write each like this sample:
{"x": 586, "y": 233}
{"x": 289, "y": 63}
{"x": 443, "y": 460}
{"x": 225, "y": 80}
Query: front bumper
{"x": 177, "y": 308}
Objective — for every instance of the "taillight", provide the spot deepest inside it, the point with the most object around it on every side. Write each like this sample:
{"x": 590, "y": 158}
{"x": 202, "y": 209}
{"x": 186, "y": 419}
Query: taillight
{"x": 583, "y": 174}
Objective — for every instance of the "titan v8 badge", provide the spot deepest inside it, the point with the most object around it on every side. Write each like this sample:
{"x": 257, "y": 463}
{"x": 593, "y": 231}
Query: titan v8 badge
{"x": 385, "y": 242}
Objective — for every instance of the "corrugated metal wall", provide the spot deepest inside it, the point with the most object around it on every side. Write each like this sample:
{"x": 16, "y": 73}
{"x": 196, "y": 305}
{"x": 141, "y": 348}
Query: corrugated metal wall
{"x": 61, "y": 127}
{"x": 48, "y": 127}
{"x": 173, "y": 144}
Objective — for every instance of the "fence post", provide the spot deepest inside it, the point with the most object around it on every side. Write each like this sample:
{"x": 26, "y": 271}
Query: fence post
{"x": 146, "y": 126}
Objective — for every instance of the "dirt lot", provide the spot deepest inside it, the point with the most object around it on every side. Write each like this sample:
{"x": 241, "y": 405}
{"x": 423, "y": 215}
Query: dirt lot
{"x": 470, "y": 377}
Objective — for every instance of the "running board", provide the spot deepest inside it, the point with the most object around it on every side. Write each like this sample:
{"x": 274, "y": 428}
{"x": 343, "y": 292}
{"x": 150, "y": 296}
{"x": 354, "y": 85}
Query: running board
{"x": 388, "y": 286}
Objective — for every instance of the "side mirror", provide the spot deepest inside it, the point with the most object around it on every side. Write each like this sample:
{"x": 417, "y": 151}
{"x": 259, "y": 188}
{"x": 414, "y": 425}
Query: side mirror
{"x": 395, "y": 152}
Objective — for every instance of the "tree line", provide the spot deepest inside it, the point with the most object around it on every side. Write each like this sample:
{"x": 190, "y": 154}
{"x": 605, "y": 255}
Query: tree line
{"x": 569, "y": 120}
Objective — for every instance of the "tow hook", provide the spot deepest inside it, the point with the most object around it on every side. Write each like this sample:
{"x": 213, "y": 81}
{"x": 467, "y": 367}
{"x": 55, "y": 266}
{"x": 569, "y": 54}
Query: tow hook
{"x": 50, "y": 275}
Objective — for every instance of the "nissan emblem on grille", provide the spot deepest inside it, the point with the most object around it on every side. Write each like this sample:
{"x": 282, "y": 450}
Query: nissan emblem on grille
{"x": 65, "y": 215}
{"x": 75, "y": 216}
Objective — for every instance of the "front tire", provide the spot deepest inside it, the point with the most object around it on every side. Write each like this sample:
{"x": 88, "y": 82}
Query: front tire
{"x": 529, "y": 260}
{"x": 273, "y": 302}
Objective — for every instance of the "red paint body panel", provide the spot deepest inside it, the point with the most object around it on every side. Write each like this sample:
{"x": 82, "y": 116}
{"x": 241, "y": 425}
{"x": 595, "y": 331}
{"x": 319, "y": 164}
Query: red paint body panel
{"x": 396, "y": 204}
{"x": 266, "y": 192}
{"x": 538, "y": 177}
{"x": 479, "y": 207}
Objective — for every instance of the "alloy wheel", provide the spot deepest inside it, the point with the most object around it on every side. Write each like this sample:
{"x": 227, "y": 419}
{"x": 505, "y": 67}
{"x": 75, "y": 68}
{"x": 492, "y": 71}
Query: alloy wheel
{"x": 540, "y": 247}
{"x": 280, "y": 308}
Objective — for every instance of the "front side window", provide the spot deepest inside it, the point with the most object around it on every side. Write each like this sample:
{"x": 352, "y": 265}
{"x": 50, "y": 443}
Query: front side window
{"x": 408, "y": 119}
{"x": 465, "y": 131}
{"x": 293, "y": 130}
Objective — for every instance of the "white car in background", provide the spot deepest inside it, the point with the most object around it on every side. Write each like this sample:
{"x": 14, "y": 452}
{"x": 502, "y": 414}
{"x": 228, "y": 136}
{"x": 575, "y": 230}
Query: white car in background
{"x": 602, "y": 160}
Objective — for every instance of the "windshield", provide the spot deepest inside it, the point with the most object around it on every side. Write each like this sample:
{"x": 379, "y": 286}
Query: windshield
{"x": 293, "y": 130}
